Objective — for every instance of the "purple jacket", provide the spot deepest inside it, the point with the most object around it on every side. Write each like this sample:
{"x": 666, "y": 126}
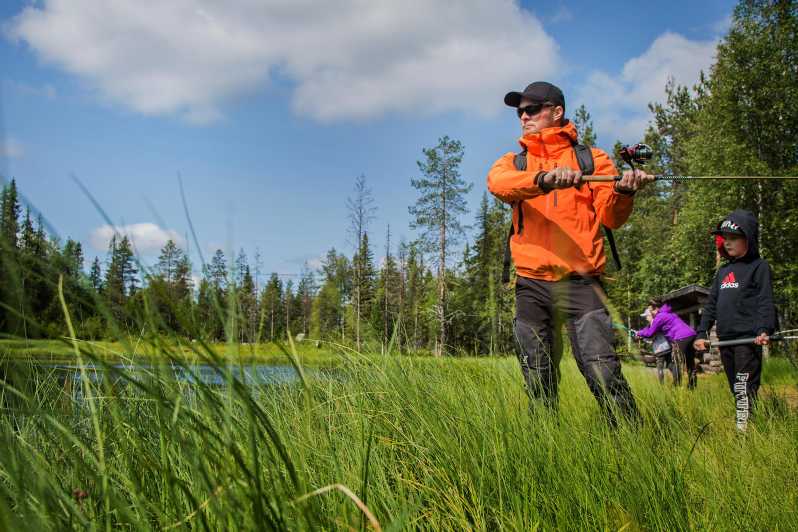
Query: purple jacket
{"x": 669, "y": 324}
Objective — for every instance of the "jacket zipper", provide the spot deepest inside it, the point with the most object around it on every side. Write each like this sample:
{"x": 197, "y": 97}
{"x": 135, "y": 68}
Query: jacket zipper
{"x": 555, "y": 191}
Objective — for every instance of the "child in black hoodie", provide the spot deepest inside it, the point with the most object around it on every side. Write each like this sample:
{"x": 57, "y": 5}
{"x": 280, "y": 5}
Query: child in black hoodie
{"x": 741, "y": 303}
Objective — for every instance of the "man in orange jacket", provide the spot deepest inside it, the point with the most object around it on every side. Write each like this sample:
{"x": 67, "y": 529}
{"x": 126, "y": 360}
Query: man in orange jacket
{"x": 558, "y": 250}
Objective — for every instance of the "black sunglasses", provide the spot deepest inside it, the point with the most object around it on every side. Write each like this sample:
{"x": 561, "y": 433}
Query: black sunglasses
{"x": 533, "y": 109}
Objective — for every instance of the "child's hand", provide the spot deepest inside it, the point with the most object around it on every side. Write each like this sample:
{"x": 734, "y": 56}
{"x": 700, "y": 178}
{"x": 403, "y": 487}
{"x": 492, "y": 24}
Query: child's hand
{"x": 762, "y": 339}
{"x": 700, "y": 345}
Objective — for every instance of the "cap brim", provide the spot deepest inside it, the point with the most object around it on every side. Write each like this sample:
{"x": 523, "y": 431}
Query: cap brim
{"x": 513, "y": 99}
{"x": 723, "y": 232}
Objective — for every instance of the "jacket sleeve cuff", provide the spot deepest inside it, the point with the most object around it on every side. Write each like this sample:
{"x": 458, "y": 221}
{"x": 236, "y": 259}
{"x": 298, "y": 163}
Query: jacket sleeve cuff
{"x": 539, "y": 182}
{"x": 763, "y": 330}
{"x": 623, "y": 192}
{"x": 701, "y": 335}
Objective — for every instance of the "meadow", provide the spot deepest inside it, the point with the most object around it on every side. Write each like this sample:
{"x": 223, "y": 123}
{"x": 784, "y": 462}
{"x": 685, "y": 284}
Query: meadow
{"x": 390, "y": 443}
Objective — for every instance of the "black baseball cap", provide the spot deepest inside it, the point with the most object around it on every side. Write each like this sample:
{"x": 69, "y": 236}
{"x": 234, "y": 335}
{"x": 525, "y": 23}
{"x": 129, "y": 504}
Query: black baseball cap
{"x": 728, "y": 226}
{"x": 539, "y": 91}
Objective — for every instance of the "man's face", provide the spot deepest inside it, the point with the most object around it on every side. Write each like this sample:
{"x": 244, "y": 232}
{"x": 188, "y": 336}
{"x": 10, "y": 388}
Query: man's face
{"x": 735, "y": 245}
{"x": 548, "y": 116}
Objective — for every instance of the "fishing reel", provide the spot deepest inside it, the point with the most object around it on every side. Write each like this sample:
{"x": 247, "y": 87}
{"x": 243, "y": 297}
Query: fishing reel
{"x": 636, "y": 154}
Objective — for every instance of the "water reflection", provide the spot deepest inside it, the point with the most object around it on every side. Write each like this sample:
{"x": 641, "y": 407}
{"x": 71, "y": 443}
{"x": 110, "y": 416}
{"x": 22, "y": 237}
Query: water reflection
{"x": 253, "y": 374}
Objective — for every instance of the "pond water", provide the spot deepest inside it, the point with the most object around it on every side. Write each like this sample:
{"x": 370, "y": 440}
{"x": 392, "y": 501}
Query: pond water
{"x": 252, "y": 374}
{"x": 27, "y": 374}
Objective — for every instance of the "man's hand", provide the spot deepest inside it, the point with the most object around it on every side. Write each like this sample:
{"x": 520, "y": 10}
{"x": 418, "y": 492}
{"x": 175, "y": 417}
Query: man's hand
{"x": 631, "y": 182}
{"x": 560, "y": 178}
{"x": 700, "y": 345}
{"x": 762, "y": 339}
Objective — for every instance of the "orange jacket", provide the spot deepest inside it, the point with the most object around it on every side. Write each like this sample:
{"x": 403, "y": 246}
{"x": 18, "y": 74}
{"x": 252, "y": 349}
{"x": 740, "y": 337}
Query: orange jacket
{"x": 561, "y": 232}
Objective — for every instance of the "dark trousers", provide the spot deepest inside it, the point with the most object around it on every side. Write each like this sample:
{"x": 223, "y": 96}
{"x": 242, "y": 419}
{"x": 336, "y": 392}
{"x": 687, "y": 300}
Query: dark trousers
{"x": 542, "y": 307}
{"x": 743, "y": 367}
{"x": 667, "y": 360}
{"x": 688, "y": 352}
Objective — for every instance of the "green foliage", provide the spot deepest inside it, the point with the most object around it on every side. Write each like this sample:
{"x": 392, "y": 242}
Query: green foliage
{"x": 584, "y": 126}
{"x": 739, "y": 120}
{"x": 419, "y": 443}
{"x": 436, "y": 214}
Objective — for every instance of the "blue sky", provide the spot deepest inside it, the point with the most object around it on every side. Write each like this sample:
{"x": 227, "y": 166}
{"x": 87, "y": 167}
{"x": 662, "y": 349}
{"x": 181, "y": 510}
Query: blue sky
{"x": 270, "y": 110}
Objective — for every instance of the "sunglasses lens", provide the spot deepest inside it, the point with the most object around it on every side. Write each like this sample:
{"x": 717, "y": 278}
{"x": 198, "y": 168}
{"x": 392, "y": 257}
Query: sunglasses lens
{"x": 530, "y": 110}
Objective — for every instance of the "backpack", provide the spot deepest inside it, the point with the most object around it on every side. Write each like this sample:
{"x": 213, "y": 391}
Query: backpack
{"x": 584, "y": 157}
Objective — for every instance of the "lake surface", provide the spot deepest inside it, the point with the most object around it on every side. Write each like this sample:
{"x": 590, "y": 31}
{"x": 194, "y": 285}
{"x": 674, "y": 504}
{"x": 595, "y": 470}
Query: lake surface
{"x": 26, "y": 373}
{"x": 252, "y": 374}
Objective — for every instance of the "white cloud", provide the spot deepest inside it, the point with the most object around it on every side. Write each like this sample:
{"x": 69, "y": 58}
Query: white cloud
{"x": 147, "y": 238}
{"x": 619, "y": 104}
{"x": 349, "y": 59}
{"x": 11, "y": 149}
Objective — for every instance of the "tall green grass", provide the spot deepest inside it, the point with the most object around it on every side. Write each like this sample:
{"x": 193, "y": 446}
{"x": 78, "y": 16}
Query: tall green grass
{"x": 390, "y": 442}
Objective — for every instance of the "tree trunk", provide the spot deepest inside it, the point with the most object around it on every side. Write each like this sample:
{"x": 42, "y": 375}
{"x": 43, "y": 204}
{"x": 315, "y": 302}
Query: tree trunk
{"x": 442, "y": 278}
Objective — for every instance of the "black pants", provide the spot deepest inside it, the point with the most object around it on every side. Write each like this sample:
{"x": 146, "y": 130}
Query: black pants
{"x": 743, "y": 367}
{"x": 667, "y": 360}
{"x": 541, "y": 309}
{"x": 688, "y": 352}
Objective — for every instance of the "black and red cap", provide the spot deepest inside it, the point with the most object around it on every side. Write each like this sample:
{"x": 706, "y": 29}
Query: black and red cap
{"x": 729, "y": 227}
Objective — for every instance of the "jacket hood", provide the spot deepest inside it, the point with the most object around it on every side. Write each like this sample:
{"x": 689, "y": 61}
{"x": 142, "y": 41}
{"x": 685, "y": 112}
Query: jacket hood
{"x": 551, "y": 141}
{"x": 665, "y": 308}
{"x": 748, "y": 224}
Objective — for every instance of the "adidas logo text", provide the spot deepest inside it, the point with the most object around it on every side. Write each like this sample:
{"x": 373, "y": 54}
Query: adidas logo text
{"x": 729, "y": 282}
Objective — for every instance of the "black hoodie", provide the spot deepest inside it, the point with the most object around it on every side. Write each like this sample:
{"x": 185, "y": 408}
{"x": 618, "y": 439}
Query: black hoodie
{"x": 741, "y": 299}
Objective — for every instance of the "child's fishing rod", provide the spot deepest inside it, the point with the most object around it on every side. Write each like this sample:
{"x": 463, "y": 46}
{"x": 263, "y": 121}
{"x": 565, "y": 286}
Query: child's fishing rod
{"x": 780, "y": 336}
{"x": 642, "y": 153}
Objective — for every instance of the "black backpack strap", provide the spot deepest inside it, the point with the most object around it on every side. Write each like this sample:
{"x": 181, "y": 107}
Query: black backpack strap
{"x": 584, "y": 156}
{"x": 613, "y": 248}
{"x": 507, "y": 257}
{"x": 520, "y": 164}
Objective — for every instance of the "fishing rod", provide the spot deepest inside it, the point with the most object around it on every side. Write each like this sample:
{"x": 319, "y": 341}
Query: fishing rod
{"x": 642, "y": 153}
{"x": 781, "y": 336}
{"x": 594, "y": 178}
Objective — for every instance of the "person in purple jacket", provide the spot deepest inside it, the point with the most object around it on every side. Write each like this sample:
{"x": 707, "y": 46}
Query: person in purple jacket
{"x": 676, "y": 331}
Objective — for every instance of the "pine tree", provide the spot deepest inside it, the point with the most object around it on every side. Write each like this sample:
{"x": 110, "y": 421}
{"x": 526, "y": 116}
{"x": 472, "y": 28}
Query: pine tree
{"x": 436, "y": 213}
{"x": 114, "y": 284}
{"x": 584, "y": 126}
{"x": 10, "y": 211}
{"x": 363, "y": 283}
{"x": 167, "y": 262}
{"x": 271, "y": 323}
{"x": 216, "y": 294}
{"x": 306, "y": 290}
{"x": 248, "y": 305}
{"x": 361, "y": 213}
{"x": 10, "y": 278}
{"x": 387, "y": 303}
{"x": 95, "y": 275}
{"x": 327, "y": 316}
{"x": 128, "y": 263}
